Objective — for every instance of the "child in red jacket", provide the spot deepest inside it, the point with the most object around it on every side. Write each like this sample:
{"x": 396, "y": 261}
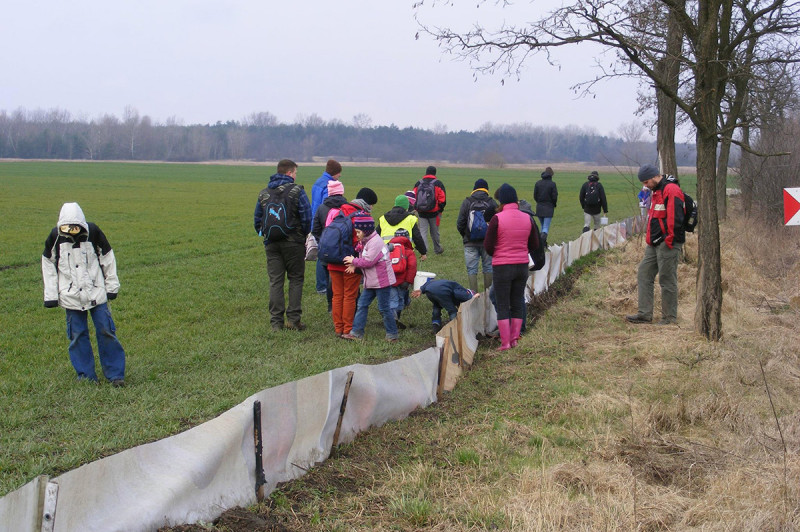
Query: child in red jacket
{"x": 404, "y": 264}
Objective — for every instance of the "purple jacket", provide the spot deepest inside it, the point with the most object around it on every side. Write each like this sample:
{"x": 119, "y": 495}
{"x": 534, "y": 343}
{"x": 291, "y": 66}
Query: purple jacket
{"x": 374, "y": 262}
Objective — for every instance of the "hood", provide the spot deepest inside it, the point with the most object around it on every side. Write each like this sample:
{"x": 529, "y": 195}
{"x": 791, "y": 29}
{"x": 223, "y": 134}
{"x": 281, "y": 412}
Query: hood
{"x": 71, "y": 213}
{"x": 396, "y": 215}
{"x": 335, "y": 201}
{"x": 277, "y": 180}
{"x": 594, "y": 178}
{"x": 402, "y": 240}
{"x": 480, "y": 194}
{"x": 361, "y": 204}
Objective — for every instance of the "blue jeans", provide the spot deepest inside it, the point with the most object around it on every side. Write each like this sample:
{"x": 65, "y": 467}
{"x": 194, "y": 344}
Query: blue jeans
{"x": 322, "y": 277}
{"x": 545, "y": 224}
{"x": 384, "y": 306}
{"x": 473, "y": 255}
{"x": 397, "y": 299}
{"x": 112, "y": 356}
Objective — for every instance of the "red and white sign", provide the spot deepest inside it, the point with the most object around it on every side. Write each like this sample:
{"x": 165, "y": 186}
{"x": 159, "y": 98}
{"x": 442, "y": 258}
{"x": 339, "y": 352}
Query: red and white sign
{"x": 791, "y": 206}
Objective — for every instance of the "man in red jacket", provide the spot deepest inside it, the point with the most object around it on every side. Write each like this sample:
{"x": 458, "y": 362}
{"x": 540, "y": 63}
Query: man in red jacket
{"x": 431, "y": 199}
{"x": 665, "y": 238}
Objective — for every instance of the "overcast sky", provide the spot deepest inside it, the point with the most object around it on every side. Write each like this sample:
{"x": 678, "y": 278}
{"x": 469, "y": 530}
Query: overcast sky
{"x": 203, "y": 61}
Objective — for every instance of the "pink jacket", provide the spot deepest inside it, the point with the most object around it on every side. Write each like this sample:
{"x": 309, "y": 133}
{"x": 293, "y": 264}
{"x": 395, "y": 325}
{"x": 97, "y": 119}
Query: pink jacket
{"x": 374, "y": 262}
{"x": 507, "y": 236}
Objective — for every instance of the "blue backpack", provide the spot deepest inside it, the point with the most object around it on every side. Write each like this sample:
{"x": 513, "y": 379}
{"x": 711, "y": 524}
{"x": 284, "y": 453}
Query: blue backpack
{"x": 336, "y": 240}
{"x": 476, "y": 222}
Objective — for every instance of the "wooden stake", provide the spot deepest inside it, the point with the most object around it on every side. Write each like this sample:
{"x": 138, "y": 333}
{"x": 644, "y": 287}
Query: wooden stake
{"x": 49, "y": 507}
{"x": 261, "y": 480}
{"x": 442, "y": 369}
{"x": 342, "y": 409}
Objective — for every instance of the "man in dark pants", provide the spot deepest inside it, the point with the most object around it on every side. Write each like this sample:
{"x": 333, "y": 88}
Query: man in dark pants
{"x": 447, "y": 295}
{"x": 283, "y": 217}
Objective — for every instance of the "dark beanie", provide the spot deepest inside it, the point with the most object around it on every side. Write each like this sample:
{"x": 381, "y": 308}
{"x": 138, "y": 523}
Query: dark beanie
{"x": 506, "y": 194}
{"x": 481, "y": 183}
{"x": 333, "y": 167}
{"x": 368, "y": 195}
{"x": 647, "y": 171}
{"x": 431, "y": 170}
{"x": 364, "y": 222}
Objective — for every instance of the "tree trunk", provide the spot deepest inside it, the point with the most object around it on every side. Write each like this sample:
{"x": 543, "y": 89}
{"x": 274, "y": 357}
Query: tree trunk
{"x": 668, "y": 69}
{"x": 722, "y": 178}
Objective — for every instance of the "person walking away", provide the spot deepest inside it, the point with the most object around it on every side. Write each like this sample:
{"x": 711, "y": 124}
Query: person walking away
{"x": 373, "y": 260}
{"x": 404, "y": 264}
{"x": 431, "y": 199}
{"x": 444, "y": 294}
{"x": 345, "y": 284}
{"x": 79, "y": 270}
{"x": 644, "y": 199}
{"x": 399, "y": 217}
{"x": 665, "y": 237}
{"x": 593, "y": 199}
{"x": 509, "y": 240}
{"x": 472, "y": 226}
{"x": 283, "y": 218}
{"x": 545, "y": 194}
{"x": 330, "y": 206}
{"x": 319, "y": 191}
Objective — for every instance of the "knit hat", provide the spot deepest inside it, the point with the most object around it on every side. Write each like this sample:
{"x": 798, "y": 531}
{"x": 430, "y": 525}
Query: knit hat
{"x": 402, "y": 201}
{"x": 506, "y": 194}
{"x": 335, "y": 188}
{"x": 402, "y": 232}
{"x": 412, "y": 198}
{"x": 594, "y": 176}
{"x": 481, "y": 183}
{"x": 431, "y": 170}
{"x": 647, "y": 171}
{"x": 368, "y": 195}
{"x": 364, "y": 222}
{"x": 333, "y": 167}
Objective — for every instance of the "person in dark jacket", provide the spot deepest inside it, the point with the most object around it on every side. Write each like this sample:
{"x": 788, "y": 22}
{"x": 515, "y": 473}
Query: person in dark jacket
{"x": 545, "y": 194}
{"x": 399, "y": 217}
{"x": 319, "y": 191}
{"x": 447, "y": 295}
{"x": 286, "y": 257}
{"x": 480, "y": 202}
{"x": 429, "y": 220}
{"x": 665, "y": 238}
{"x": 596, "y": 201}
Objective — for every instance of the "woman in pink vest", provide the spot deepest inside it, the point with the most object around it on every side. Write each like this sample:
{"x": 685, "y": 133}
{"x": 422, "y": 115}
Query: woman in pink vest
{"x": 508, "y": 240}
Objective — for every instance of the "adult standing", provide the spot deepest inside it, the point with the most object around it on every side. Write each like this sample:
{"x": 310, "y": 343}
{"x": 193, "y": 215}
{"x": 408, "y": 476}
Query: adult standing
{"x": 545, "y": 194}
{"x": 593, "y": 199}
{"x": 509, "y": 240}
{"x": 472, "y": 226}
{"x": 399, "y": 217}
{"x": 665, "y": 238}
{"x": 319, "y": 191}
{"x": 431, "y": 199}
{"x": 333, "y": 202}
{"x": 283, "y": 217}
{"x": 79, "y": 270}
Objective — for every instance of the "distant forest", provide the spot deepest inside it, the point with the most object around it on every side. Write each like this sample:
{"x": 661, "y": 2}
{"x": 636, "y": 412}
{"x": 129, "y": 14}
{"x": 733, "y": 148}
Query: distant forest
{"x": 55, "y": 134}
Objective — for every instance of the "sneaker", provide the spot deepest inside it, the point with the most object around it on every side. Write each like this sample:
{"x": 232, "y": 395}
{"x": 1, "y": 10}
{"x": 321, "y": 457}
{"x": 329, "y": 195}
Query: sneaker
{"x": 296, "y": 326}
{"x": 401, "y": 325}
{"x": 667, "y": 321}
{"x": 349, "y": 336}
{"x": 391, "y": 340}
{"x": 118, "y": 383}
{"x": 638, "y": 318}
{"x": 436, "y": 326}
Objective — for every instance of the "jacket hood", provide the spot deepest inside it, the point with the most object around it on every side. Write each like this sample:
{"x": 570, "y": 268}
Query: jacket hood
{"x": 277, "y": 180}
{"x": 404, "y": 241}
{"x": 71, "y": 213}
{"x": 594, "y": 178}
{"x": 334, "y": 202}
{"x": 397, "y": 215}
{"x": 362, "y": 204}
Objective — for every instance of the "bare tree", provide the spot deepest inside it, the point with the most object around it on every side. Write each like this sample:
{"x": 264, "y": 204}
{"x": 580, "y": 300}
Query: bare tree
{"x": 131, "y": 120}
{"x": 714, "y": 35}
{"x": 261, "y": 119}
{"x": 362, "y": 121}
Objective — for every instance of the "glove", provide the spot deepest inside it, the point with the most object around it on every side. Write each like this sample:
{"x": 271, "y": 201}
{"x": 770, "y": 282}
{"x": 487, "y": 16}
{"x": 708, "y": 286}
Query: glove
{"x": 111, "y": 296}
{"x": 51, "y": 304}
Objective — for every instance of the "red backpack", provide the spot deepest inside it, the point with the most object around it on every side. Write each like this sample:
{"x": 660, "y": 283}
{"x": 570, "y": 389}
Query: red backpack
{"x": 399, "y": 260}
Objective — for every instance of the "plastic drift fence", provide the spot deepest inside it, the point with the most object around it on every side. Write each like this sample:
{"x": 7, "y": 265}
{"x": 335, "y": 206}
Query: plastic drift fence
{"x": 198, "y": 474}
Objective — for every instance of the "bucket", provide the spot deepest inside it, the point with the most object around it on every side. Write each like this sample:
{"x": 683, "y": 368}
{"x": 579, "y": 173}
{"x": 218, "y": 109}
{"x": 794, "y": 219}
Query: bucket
{"x": 421, "y": 278}
{"x": 604, "y": 220}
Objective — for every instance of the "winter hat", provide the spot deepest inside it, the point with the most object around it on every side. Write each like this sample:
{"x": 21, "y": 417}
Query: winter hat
{"x": 368, "y": 195}
{"x": 335, "y": 188}
{"x": 431, "y": 170}
{"x": 402, "y": 201}
{"x": 647, "y": 171}
{"x": 412, "y": 198}
{"x": 481, "y": 183}
{"x": 333, "y": 167}
{"x": 506, "y": 194}
{"x": 402, "y": 232}
{"x": 548, "y": 172}
{"x": 364, "y": 222}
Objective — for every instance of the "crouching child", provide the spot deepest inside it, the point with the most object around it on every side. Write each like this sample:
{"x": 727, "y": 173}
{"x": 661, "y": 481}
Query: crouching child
{"x": 447, "y": 295}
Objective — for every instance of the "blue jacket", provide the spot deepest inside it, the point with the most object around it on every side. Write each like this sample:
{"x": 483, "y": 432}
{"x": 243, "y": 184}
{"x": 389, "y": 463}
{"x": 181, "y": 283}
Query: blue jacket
{"x": 319, "y": 191}
{"x": 301, "y": 211}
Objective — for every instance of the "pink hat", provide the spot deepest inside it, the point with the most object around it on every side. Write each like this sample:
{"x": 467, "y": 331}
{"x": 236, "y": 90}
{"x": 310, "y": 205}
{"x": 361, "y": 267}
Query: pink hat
{"x": 335, "y": 187}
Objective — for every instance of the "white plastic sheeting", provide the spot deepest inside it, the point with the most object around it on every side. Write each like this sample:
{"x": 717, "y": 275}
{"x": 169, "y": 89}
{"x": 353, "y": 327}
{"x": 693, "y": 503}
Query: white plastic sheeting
{"x": 196, "y": 475}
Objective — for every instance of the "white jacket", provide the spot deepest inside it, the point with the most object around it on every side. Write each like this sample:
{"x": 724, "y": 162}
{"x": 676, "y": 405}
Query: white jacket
{"x": 79, "y": 271}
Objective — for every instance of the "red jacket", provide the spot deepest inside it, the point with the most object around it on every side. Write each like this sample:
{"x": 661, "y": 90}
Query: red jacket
{"x": 411, "y": 261}
{"x": 665, "y": 217}
{"x": 441, "y": 197}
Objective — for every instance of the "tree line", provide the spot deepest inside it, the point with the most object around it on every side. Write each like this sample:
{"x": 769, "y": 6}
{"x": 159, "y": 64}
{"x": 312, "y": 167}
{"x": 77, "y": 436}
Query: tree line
{"x": 56, "y": 134}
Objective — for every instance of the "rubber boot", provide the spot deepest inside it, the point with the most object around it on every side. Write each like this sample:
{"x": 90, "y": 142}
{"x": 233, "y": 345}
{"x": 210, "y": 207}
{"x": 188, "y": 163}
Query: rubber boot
{"x": 473, "y": 282}
{"x": 505, "y": 334}
{"x": 516, "y": 327}
{"x": 487, "y": 280}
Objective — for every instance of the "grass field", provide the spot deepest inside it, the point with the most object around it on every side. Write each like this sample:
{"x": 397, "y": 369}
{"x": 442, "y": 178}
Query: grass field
{"x": 192, "y": 311}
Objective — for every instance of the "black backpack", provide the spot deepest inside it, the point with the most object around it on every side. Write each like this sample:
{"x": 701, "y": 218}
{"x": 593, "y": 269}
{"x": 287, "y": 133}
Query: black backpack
{"x": 336, "y": 240}
{"x": 278, "y": 221}
{"x": 592, "y": 197}
{"x": 690, "y": 213}
{"x": 426, "y": 196}
{"x": 538, "y": 255}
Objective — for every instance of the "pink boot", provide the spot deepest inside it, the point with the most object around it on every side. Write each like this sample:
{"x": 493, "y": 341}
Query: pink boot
{"x": 516, "y": 327}
{"x": 505, "y": 334}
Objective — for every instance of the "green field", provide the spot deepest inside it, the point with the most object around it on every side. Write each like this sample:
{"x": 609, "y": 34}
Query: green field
{"x": 192, "y": 311}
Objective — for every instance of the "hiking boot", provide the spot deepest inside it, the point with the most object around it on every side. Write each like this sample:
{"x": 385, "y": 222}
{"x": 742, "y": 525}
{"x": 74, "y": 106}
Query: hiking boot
{"x": 436, "y": 326}
{"x": 638, "y": 318}
{"x": 296, "y": 326}
{"x": 277, "y": 326}
{"x": 667, "y": 321}
{"x": 118, "y": 383}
